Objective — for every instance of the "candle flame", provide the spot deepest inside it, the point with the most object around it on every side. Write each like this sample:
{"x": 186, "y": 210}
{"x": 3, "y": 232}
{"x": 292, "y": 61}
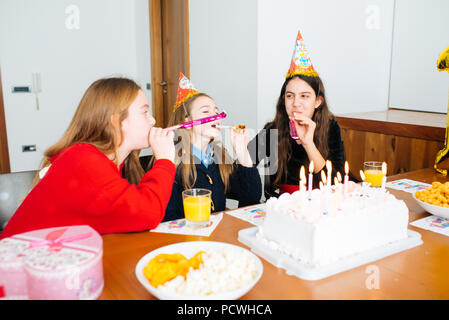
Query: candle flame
{"x": 346, "y": 167}
{"x": 384, "y": 168}
{"x": 302, "y": 174}
{"x": 323, "y": 177}
{"x": 338, "y": 176}
{"x": 328, "y": 166}
{"x": 311, "y": 167}
{"x": 362, "y": 175}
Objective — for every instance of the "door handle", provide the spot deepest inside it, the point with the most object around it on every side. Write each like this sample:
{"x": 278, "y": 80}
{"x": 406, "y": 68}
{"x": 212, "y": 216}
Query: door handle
{"x": 163, "y": 83}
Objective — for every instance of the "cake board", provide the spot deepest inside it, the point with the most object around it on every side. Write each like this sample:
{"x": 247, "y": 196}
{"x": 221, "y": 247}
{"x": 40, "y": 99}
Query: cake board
{"x": 309, "y": 272}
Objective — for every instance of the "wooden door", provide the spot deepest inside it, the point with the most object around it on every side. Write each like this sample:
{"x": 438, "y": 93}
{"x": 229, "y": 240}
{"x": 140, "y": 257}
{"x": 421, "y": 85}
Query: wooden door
{"x": 4, "y": 155}
{"x": 169, "y": 32}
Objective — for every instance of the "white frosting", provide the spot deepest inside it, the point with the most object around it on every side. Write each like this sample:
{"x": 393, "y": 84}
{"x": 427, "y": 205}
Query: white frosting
{"x": 303, "y": 229}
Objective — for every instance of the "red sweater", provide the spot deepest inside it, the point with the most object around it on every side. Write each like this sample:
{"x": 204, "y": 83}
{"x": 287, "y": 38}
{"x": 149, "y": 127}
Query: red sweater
{"x": 83, "y": 186}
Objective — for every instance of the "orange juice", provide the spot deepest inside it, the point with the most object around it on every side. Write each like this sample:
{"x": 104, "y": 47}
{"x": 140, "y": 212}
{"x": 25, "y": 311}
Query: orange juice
{"x": 374, "y": 177}
{"x": 197, "y": 209}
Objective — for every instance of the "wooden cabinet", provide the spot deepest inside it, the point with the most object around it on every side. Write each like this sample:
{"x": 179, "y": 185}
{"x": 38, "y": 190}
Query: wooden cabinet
{"x": 405, "y": 140}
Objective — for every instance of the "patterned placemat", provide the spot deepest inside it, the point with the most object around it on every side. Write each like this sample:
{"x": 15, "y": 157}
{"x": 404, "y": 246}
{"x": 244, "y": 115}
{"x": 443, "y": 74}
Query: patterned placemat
{"x": 407, "y": 185}
{"x": 179, "y": 227}
{"x": 253, "y": 214}
{"x": 433, "y": 223}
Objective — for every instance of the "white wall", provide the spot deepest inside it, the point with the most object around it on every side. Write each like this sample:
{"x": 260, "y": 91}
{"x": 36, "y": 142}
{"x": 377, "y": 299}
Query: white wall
{"x": 348, "y": 48}
{"x": 421, "y": 33}
{"x": 223, "y": 55}
{"x": 240, "y": 52}
{"x": 34, "y": 37}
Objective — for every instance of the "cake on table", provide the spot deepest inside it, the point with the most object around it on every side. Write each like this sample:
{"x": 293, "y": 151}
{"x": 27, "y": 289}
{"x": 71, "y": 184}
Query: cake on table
{"x": 323, "y": 226}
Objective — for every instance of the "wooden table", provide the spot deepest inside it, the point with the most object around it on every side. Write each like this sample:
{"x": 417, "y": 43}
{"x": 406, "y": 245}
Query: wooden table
{"x": 417, "y": 273}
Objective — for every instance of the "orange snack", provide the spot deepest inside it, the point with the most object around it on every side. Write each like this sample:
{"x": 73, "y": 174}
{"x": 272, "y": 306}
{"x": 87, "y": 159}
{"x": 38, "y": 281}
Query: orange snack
{"x": 165, "y": 267}
{"x": 437, "y": 194}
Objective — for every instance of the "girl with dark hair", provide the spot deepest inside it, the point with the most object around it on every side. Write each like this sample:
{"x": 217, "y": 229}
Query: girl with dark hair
{"x": 302, "y": 105}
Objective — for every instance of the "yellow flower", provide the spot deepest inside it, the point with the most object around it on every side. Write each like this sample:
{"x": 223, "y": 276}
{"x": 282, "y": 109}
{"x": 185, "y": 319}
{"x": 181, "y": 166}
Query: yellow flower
{"x": 443, "y": 60}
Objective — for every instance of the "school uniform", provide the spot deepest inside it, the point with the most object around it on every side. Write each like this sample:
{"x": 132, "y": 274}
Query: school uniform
{"x": 245, "y": 185}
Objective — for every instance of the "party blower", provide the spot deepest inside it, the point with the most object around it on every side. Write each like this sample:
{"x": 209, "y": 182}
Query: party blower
{"x": 293, "y": 132}
{"x": 189, "y": 124}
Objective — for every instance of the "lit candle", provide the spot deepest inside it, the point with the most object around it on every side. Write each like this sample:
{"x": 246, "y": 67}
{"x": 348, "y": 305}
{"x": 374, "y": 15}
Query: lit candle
{"x": 362, "y": 175}
{"x": 384, "y": 172}
{"x": 310, "y": 179}
{"x": 302, "y": 179}
{"x": 326, "y": 196}
{"x": 346, "y": 178}
{"x": 329, "y": 173}
{"x": 323, "y": 177}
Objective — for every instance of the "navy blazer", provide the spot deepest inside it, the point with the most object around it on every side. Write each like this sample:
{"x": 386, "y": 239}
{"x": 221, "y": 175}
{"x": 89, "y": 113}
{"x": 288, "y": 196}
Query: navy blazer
{"x": 245, "y": 186}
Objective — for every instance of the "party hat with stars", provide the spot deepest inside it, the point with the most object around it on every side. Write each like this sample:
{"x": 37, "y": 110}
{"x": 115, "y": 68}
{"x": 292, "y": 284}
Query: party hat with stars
{"x": 186, "y": 90}
{"x": 301, "y": 64}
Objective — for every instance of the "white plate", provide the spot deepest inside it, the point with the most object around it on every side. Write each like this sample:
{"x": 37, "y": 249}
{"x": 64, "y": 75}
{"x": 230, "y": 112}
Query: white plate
{"x": 309, "y": 272}
{"x": 189, "y": 249}
{"x": 433, "y": 209}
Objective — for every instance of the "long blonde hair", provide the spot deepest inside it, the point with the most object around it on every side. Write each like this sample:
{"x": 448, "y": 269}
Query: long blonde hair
{"x": 97, "y": 121}
{"x": 183, "y": 144}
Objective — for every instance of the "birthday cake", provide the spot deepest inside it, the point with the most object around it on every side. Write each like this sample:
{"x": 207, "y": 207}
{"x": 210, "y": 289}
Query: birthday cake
{"x": 322, "y": 226}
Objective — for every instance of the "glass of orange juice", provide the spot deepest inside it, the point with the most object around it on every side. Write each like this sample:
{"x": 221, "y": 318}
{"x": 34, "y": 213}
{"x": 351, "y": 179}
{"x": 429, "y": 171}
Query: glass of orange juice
{"x": 197, "y": 205}
{"x": 373, "y": 173}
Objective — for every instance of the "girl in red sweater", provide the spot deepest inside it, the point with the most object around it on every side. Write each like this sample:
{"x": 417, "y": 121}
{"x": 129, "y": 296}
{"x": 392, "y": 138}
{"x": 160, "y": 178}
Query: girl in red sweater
{"x": 80, "y": 181}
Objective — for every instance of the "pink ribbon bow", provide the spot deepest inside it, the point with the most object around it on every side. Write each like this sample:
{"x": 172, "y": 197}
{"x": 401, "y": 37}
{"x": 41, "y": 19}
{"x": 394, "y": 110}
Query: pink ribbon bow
{"x": 55, "y": 241}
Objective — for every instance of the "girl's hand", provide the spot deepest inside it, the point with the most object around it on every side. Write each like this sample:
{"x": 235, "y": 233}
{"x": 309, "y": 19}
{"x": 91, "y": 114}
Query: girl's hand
{"x": 161, "y": 141}
{"x": 305, "y": 128}
{"x": 239, "y": 140}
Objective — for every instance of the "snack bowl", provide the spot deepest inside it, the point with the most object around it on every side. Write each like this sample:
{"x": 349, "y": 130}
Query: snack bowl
{"x": 189, "y": 249}
{"x": 433, "y": 209}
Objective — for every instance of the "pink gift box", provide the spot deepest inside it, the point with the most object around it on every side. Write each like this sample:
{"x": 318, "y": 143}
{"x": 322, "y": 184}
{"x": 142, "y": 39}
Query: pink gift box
{"x": 54, "y": 263}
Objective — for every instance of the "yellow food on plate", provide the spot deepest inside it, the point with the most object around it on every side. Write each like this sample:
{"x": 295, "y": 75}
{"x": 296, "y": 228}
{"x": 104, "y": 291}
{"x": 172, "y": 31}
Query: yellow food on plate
{"x": 165, "y": 267}
{"x": 240, "y": 127}
{"x": 437, "y": 194}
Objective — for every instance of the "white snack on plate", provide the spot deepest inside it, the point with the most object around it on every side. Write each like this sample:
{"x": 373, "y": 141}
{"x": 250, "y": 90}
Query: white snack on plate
{"x": 222, "y": 270}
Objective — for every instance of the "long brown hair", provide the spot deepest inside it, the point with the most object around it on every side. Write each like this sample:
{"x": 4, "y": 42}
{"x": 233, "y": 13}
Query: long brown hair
{"x": 183, "y": 145}
{"x": 321, "y": 117}
{"x": 97, "y": 121}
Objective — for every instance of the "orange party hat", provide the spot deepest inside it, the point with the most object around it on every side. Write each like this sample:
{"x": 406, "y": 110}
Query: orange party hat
{"x": 186, "y": 90}
{"x": 301, "y": 63}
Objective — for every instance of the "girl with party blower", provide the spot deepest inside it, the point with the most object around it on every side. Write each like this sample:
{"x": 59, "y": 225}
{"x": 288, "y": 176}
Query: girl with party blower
{"x": 80, "y": 181}
{"x": 203, "y": 162}
{"x": 306, "y": 129}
